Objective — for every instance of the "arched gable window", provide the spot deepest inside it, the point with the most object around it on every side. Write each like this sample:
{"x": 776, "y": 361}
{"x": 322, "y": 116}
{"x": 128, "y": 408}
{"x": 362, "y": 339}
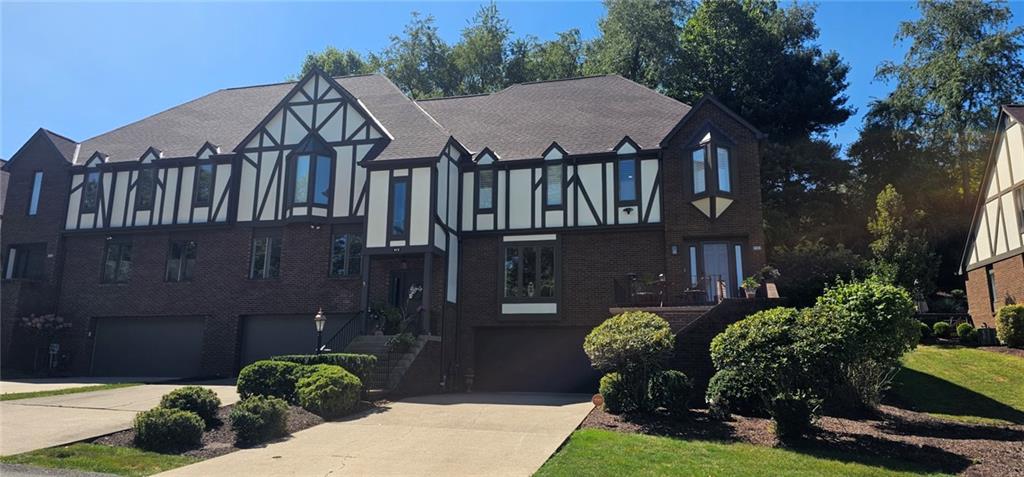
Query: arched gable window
{"x": 310, "y": 172}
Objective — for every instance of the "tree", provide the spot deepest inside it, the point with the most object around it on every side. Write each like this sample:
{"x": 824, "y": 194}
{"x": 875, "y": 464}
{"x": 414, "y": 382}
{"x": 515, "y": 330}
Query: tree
{"x": 900, "y": 253}
{"x": 335, "y": 62}
{"x": 481, "y": 55}
{"x": 964, "y": 61}
{"x": 639, "y": 40}
{"x": 420, "y": 61}
{"x": 558, "y": 58}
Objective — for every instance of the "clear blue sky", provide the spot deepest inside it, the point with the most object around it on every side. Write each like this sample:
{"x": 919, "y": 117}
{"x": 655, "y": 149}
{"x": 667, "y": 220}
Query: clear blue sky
{"x": 81, "y": 69}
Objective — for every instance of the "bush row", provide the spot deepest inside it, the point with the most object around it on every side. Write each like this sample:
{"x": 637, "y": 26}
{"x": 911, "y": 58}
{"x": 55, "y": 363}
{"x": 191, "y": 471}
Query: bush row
{"x": 358, "y": 364}
{"x": 177, "y": 424}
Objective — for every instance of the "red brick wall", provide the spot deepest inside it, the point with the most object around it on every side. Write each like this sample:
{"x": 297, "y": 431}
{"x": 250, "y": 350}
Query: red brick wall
{"x": 1009, "y": 276}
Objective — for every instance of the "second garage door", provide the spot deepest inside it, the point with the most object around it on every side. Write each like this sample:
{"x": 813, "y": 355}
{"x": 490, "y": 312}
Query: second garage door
{"x": 157, "y": 347}
{"x": 533, "y": 359}
{"x": 264, "y": 336}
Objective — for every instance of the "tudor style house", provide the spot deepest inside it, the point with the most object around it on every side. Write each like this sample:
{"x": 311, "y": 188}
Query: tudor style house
{"x": 994, "y": 255}
{"x": 509, "y": 224}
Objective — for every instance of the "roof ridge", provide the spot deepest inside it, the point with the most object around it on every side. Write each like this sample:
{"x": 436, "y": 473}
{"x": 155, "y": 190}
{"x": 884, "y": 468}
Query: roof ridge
{"x": 59, "y": 135}
{"x": 458, "y": 96}
{"x": 555, "y": 80}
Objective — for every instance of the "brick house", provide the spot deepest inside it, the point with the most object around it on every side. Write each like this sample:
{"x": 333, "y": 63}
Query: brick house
{"x": 508, "y": 224}
{"x": 993, "y": 257}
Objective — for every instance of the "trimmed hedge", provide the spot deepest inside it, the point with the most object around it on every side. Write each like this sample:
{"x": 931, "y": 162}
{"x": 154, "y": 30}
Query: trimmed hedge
{"x": 617, "y": 394}
{"x": 358, "y": 364}
{"x": 941, "y": 329}
{"x": 168, "y": 430}
{"x": 967, "y": 334}
{"x": 671, "y": 390}
{"x": 202, "y": 401}
{"x": 328, "y": 391}
{"x": 634, "y": 344}
{"x": 1010, "y": 325}
{"x": 258, "y": 419}
{"x": 268, "y": 378}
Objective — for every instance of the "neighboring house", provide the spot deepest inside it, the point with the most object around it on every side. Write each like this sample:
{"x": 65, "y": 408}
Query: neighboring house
{"x": 208, "y": 235}
{"x": 994, "y": 255}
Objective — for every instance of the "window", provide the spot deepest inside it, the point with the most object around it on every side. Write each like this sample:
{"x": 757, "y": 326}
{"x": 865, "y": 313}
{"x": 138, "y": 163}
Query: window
{"x": 738, "y": 252}
{"x": 553, "y": 185}
{"x": 724, "y": 179}
{"x": 25, "y": 261}
{"x": 400, "y": 207}
{"x": 346, "y": 255}
{"x": 699, "y": 180}
{"x": 693, "y": 266}
{"x": 37, "y": 184}
{"x": 181, "y": 261}
{"x": 91, "y": 192}
{"x": 145, "y": 189}
{"x": 311, "y": 181}
{"x": 204, "y": 185}
{"x": 266, "y": 257}
{"x": 627, "y": 181}
{"x": 991, "y": 274}
{"x": 117, "y": 262}
{"x": 1018, "y": 199}
{"x": 485, "y": 190}
{"x": 529, "y": 271}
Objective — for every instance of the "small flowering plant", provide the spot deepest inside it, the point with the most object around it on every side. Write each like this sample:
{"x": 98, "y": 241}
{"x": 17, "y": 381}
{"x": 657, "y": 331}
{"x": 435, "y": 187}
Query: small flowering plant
{"x": 45, "y": 324}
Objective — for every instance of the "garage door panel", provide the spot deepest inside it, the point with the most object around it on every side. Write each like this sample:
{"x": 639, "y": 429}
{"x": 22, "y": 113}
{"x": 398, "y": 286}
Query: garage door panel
{"x": 533, "y": 359}
{"x": 264, "y": 336}
{"x": 158, "y": 347}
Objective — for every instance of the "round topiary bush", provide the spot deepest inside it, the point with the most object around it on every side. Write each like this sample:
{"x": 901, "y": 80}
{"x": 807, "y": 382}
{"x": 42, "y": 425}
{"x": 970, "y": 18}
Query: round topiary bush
{"x": 616, "y": 393}
{"x": 1010, "y": 325}
{"x": 634, "y": 344}
{"x": 259, "y": 418}
{"x": 200, "y": 400}
{"x": 268, "y": 378}
{"x": 168, "y": 430}
{"x": 926, "y": 331}
{"x": 792, "y": 415}
{"x": 967, "y": 334}
{"x": 671, "y": 390}
{"x": 941, "y": 329}
{"x": 329, "y": 391}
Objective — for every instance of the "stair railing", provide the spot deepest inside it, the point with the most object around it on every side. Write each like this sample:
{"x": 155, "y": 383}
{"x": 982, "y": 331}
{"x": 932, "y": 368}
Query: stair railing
{"x": 344, "y": 336}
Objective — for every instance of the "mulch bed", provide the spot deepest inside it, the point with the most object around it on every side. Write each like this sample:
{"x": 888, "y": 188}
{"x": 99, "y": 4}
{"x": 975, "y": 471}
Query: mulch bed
{"x": 1004, "y": 350}
{"x": 220, "y": 439}
{"x": 938, "y": 445}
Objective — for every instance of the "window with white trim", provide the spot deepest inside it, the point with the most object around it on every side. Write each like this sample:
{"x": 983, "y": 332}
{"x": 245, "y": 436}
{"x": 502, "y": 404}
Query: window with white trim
{"x": 37, "y": 186}
{"x": 553, "y": 185}
{"x": 91, "y": 192}
{"x": 530, "y": 271}
{"x": 711, "y": 166}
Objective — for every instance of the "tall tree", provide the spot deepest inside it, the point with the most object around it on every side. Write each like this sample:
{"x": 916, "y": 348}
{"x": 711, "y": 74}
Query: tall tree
{"x": 481, "y": 55}
{"x": 335, "y": 62}
{"x": 964, "y": 60}
{"x": 558, "y": 58}
{"x": 419, "y": 62}
{"x": 639, "y": 40}
{"x": 900, "y": 253}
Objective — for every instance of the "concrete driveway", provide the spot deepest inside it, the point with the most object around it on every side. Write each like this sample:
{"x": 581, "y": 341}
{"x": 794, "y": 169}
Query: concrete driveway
{"x": 29, "y": 424}
{"x": 29, "y": 385}
{"x": 449, "y": 435}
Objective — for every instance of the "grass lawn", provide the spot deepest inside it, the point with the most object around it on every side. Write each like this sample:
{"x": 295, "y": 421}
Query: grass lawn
{"x": 58, "y": 392}
{"x": 963, "y": 384}
{"x": 599, "y": 452}
{"x": 98, "y": 458}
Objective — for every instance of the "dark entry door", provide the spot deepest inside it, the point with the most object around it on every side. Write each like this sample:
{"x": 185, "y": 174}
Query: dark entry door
{"x": 406, "y": 289}
{"x": 716, "y": 267}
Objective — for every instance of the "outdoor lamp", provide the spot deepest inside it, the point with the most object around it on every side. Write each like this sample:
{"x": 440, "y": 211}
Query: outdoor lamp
{"x": 319, "y": 320}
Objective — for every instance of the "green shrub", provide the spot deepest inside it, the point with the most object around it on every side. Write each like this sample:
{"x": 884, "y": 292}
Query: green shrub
{"x": 634, "y": 344}
{"x": 259, "y": 418}
{"x": 401, "y": 343}
{"x": 268, "y": 378}
{"x": 926, "y": 331}
{"x": 618, "y": 398}
{"x": 168, "y": 430}
{"x": 358, "y": 364}
{"x": 329, "y": 391}
{"x": 1010, "y": 325}
{"x": 967, "y": 334}
{"x": 941, "y": 329}
{"x": 793, "y": 414}
{"x": 202, "y": 401}
{"x": 728, "y": 392}
{"x": 806, "y": 268}
{"x": 671, "y": 390}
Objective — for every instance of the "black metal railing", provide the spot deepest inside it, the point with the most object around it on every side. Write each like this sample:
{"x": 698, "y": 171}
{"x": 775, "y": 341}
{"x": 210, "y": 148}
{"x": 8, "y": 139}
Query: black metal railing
{"x": 634, "y": 291}
{"x": 380, "y": 375}
{"x": 348, "y": 332}
{"x": 702, "y": 290}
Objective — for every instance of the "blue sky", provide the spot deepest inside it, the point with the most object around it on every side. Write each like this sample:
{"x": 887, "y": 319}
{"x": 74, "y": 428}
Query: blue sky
{"x": 81, "y": 69}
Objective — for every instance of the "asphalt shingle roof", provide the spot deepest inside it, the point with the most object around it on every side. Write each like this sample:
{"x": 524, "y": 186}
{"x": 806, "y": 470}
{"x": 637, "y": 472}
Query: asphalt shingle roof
{"x": 584, "y": 115}
{"x": 1015, "y": 110}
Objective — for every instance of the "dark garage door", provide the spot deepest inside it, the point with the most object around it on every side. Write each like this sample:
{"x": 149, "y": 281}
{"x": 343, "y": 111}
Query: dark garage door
{"x": 533, "y": 359}
{"x": 264, "y": 336}
{"x": 163, "y": 347}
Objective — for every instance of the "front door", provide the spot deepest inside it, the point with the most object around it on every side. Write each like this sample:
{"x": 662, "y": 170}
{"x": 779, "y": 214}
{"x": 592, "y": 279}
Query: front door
{"x": 716, "y": 270}
{"x": 405, "y": 291}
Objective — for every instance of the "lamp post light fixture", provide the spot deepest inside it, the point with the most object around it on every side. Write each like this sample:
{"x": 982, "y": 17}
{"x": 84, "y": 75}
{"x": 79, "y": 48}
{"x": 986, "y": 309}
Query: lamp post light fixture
{"x": 319, "y": 320}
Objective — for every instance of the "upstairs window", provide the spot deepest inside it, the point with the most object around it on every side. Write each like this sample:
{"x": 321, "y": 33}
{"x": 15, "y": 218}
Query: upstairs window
{"x": 699, "y": 166}
{"x": 266, "y": 257}
{"x": 117, "y": 262}
{"x": 145, "y": 189}
{"x": 91, "y": 192}
{"x": 204, "y": 185}
{"x": 1018, "y": 200}
{"x": 553, "y": 185}
{"x": 25, "y": 261}
{"x": 724, "y": 175}
{"x": 181, "y": 261}
{"x": 37, "y": 185}
{"x": 485, "y": 190}
{"x": 400, "y": 208}
{"x": 346, "y": 254}
{"x": 627, "y": 184}
{"x": 311, "y": 172}
{"x": 529, "y": 272}
{"x": 711, "y": 165}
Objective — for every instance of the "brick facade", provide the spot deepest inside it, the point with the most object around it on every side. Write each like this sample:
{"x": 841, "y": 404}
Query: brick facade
{"x": 1009, "y": 288}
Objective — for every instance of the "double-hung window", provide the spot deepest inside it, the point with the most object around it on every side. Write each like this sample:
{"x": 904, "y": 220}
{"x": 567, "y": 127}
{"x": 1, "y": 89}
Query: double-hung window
{"x": 37, "y": 186}
{"x": 346, "y": 254}
{"x": 627, "y": 181}
{"x": 204, "y": 185}
{"x": 91, "y": 192}
{"x": 25, "y": 261}
{"x": 181, "y": 261}
{"x": 117, "y": 261}
{"x": 266, "y": 256}
{"x": 486, "y": 178}
{"x": 530, "y": 271}
{"x": 553, "y": 186}
{"x": 145, "y": 189}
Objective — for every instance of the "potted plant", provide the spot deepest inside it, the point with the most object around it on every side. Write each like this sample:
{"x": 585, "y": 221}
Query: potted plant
{"x": 750, "y": 286}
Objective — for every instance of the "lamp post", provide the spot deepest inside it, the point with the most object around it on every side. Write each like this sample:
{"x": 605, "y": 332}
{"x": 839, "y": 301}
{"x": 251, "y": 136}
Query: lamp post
{"x": 319, "y": 320}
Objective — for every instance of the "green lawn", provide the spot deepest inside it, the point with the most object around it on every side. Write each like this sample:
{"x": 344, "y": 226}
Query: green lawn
{"x": 99, "y": 458}
{"x": 963, "y": 384}
{"x": 595, "y": 452}
{"x": 58, "y": 392}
